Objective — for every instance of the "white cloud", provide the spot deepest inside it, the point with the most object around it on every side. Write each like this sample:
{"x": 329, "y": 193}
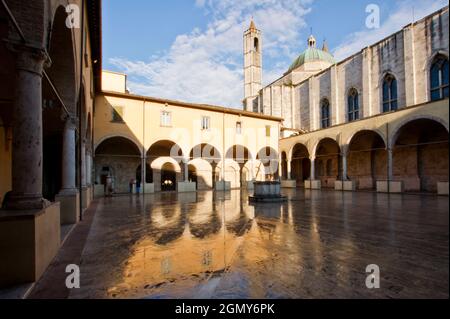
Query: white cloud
{"x": 205, "y": 66}
{"x": 394, "y": 22}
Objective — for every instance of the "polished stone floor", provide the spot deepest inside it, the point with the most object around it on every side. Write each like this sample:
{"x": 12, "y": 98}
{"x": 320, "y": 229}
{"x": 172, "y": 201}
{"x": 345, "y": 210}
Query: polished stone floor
{"x": 315, "y": 245}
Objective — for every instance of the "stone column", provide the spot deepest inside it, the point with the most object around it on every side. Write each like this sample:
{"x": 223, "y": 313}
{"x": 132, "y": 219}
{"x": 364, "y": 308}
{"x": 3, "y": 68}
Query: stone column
{"x": 344, "y": 166}
{"x": 252, "y": 170}
{"x": 289, "y": 169}
{"x": 83, "y": 164}
{"x": 313, "y": 169}
{"x": 186, "y": 171}
{"x": 390, "y": 164}
{"x": 69, "y": 157}
{"x": 27, "y": 130}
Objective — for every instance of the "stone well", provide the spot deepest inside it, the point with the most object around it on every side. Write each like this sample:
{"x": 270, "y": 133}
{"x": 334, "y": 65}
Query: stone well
{"x": 269, "y": 191}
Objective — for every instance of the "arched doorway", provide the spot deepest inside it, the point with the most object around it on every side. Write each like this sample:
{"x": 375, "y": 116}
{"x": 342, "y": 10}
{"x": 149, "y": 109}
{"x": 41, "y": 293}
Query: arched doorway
{"x": 168, "y": 177}
{"x": 122, "y": 156}
{"x": 165, "y": 152}
{"x": 192, "y": 175}
{"x": 366, "y": 159}
{"x": 420, "y": 155}
{"x": 300, "y": 164}
{"x": 327, "y": 162}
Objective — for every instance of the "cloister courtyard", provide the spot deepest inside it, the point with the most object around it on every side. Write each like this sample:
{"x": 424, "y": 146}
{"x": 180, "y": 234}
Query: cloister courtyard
{"x": 210, "y": 244}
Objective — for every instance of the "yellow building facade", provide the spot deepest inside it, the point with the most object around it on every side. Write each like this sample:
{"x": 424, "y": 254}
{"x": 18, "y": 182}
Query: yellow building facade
{"x": 184, "y": 146}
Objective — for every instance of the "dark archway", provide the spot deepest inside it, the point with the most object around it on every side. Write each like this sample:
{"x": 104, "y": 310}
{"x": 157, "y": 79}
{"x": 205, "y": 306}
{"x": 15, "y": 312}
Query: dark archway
{"x": 168, "y": 177}
{"x": 123, "y": 156}
{"x": 420, "y": 155}
{"x": 328, "y": 157}
{"x": 300, "y": 164}
{"x": 366, "y": 159}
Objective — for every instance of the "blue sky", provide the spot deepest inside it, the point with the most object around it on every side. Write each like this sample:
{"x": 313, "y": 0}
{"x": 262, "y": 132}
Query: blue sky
{"x": 191, "y": 50}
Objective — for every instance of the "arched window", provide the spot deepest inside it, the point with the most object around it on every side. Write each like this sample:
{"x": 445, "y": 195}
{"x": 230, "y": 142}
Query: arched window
{"x": 325, "y": 113}
{"x": 390, "y": 102}
{"x": 256, "y": 44}
{"x": 439, "y": 78}
{"x": 353, "y": 105}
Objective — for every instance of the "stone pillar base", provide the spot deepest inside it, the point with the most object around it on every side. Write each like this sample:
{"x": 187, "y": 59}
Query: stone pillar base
{"x": 345, "y": 185}
{"x": 312, "y": 184}
{"x": 442, "y": 188}
{"x": 394, "y": 187}
{"x": 85, "y": 198}
{"x": 223, "y": 186}
{"x": 70, "y": 208}
{"x": 99, "y": 190}
{"x": 149, "y": 188}
{"x": 184, "y": 187}
{"x": 289, "y": 183}
{"x": 29, "y": 241}
{"x": 250, "y": 185}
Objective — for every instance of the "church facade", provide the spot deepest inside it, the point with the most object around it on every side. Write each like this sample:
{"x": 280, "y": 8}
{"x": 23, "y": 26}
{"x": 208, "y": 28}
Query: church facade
{"x": 376, "y": 120}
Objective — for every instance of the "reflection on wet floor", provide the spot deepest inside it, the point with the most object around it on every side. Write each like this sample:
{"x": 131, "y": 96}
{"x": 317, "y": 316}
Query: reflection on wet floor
{"x": 216, "y": 245}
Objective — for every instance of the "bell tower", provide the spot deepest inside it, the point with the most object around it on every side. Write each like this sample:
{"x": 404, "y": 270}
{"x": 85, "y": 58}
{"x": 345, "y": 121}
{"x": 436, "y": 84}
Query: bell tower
{"x": 252, "y": 68}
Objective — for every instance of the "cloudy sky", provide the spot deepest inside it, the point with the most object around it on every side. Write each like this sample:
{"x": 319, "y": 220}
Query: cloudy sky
{"x": 191, "y": 50}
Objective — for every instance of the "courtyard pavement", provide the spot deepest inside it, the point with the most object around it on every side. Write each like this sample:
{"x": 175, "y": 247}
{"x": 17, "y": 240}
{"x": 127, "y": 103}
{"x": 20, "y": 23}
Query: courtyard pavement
{"x": 315, "y": 245}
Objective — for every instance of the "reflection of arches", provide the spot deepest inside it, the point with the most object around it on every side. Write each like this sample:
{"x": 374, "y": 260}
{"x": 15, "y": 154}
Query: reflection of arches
{"x": 269, "y": 158}
{"x": 121, "y": 154}
{"x": 328, "y": 153}
{"x": 208, "y": 226}
{"x": 366, "y": 159}
{"x": 300, "y": 164}
{"x": 420, "y": 154}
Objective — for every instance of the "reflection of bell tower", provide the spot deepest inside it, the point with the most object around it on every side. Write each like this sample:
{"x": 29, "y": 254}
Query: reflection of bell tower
{"x": 252, "y": 67}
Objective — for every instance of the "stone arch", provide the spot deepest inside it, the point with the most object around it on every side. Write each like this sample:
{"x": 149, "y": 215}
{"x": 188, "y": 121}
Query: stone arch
{"x": 328, "y": 151}
{"x": 402, "y": 123}
{"x": 61, "y": 48}
{"x": 33, "y": 20}
{"x": 121, "y": 136}
{"x": 121, "y": 155}
{"x": 380, "y": 133}
{"x": 420, "y": 154}
{"x": 300, "y": 163}
{"x": 366, "y": 158}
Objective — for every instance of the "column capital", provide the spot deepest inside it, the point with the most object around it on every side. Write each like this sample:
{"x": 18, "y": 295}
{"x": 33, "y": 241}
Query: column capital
{"x": 70, "y": 121}
{"x": 29, "y": 58}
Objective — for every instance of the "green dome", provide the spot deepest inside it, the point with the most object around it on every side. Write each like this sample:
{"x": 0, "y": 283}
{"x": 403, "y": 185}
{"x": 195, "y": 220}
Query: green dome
{"x": 312, "y": 54}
